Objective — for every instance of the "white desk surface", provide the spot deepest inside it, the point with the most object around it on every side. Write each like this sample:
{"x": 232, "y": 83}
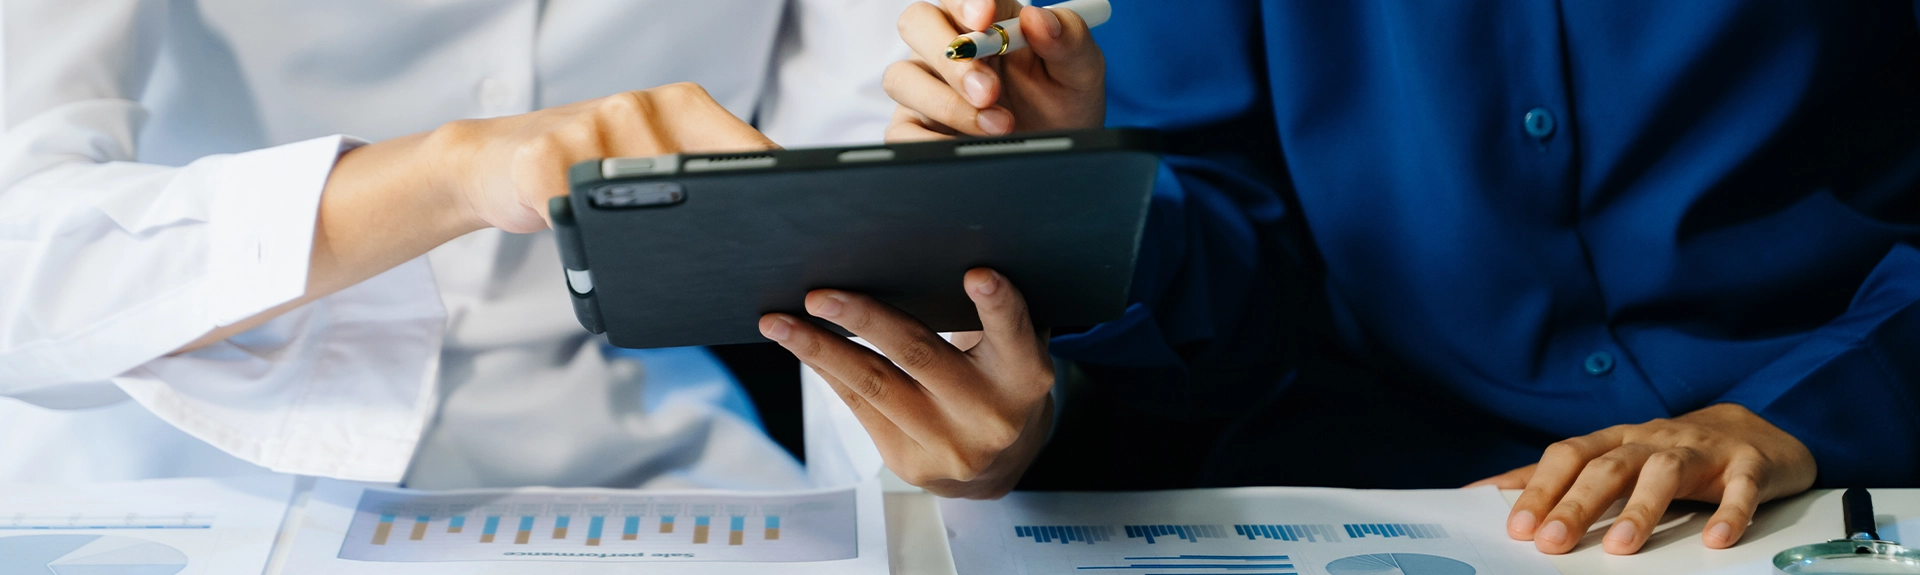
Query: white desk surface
{"x": 918, "y": 541}
{"x": 919, "y": 544}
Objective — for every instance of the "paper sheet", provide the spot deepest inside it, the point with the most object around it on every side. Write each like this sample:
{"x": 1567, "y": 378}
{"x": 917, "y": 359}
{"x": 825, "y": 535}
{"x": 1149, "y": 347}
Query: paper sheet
{"x": 160, "y": 527}
{"x": 353, "y": 528}
{"x": 1245, "y": 531}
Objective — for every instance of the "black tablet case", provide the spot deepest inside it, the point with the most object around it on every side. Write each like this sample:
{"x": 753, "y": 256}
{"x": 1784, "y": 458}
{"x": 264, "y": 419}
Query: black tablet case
{"x": 1061, "y": 215}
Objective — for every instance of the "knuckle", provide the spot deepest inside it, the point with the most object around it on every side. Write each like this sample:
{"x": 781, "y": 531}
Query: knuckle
{"x": 871, "y": 382}
{"x": 958, "y": 111}
{"x": 809, "y": 347}
{"x": 917, "y": 355}
{"x": 997, "y": 435}
{"x": 623, "y": 105}
{"x": 1642, "y": 514}
{"x": 893, "y": 81}
{"x": 1564, "y": 449}
{"x": 914, "y": 14}
{"x": 917, "y": 476}
{"x": 969, "y": 464}
{"x": 1667, "y": 461}
{"x": 1610, "y": 465}
{"x": 681, "y": 92}
{"x": 1573, "y": 508}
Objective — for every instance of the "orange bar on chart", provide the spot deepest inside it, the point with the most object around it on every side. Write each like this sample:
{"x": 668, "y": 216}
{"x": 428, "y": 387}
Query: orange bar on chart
{"x": 381, "y": 531}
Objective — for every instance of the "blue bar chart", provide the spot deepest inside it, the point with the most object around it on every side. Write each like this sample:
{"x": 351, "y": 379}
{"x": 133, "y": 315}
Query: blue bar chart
{"x": 1389, "y": 530}
{"x": 1239, "y": 531}
{"x": 1189, "y": 533}
{"x": 1307, "y": 533}
{"x": 404, "y": 526}
{"x": 1088, "y": 534}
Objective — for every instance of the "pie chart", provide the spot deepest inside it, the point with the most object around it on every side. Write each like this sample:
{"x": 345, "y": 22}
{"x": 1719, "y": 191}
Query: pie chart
{"x": 87, "y": 555}
{"x": 1398, "y": 564}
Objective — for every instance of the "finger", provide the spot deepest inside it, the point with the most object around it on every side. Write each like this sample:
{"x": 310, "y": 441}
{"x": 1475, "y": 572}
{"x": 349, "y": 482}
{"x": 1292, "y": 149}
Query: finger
{"x": 700, "y": 124}
{"x": 978, "y": 14}
{"x": 1062, "y": 41}
{"x": 1008, "y": 338}
{"x": 1602, "y": 481}
{"x": 1558, "y": 467}
{"x": 1653, "y": 491}
{"x": 861, "y": 372}
{"x": 1515, "y": 479}
{"x": 914, "y": 348}
{"x": 1737, "y": 503}
{"x": 927, "y": 31}
{"x": 887, "y": 435}
{"x": 910, "y": 126}
{"x": 914, "y": 86}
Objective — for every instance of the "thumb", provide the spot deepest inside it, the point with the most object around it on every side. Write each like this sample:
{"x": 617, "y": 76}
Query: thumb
{"x": 1062, "y": 40}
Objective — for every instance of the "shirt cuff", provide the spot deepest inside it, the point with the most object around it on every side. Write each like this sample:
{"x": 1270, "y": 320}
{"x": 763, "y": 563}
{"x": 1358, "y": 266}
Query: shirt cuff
{"x": 260, "y": 243}
{"x": 342, "y": 387}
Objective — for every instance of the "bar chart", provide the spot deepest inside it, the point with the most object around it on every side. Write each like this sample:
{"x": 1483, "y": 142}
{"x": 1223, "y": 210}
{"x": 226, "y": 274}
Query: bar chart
{"x": 1244, "y": 531}
{"x": 399, "y": 526}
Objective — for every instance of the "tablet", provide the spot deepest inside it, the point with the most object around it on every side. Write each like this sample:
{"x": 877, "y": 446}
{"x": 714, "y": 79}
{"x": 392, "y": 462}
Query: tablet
{"x": 692, "y": 249}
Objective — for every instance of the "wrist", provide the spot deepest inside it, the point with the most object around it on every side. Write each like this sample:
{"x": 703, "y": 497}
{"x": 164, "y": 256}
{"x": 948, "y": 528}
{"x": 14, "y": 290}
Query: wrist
{"x": 443, "y": 159}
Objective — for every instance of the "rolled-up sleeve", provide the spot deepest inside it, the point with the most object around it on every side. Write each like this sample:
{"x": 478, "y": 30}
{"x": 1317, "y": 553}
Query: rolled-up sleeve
{"x": 1850, "y": 390}
{"x": 111, "y": 264}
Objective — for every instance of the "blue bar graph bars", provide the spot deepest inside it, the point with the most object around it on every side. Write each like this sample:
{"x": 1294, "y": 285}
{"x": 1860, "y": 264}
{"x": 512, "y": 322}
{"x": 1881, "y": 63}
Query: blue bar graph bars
{"x": 1307, "y": 533}
{"x": 1191, "y": 533}
{"x": 594, "y": 527}
{"x": 1065, "y": 534}
{"x": 1408, "y": 530}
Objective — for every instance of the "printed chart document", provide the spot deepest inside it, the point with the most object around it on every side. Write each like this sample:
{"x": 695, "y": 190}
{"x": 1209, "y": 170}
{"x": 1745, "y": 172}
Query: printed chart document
{"x": 350, "y": 528}
{"x": 1243, "y": 531}
{"x": 161, "y": 527}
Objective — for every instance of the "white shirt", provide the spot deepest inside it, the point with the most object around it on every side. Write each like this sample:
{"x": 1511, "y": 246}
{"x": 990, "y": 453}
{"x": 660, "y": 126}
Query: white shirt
{"x": 159, "y": 175}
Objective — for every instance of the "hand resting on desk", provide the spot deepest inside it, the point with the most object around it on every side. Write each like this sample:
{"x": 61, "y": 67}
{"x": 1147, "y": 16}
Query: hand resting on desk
{"x": 1721, "y": 454}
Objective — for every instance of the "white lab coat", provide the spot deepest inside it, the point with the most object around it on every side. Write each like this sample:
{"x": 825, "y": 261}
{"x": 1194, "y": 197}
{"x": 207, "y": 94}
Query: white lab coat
{"x": 159, "y": 175}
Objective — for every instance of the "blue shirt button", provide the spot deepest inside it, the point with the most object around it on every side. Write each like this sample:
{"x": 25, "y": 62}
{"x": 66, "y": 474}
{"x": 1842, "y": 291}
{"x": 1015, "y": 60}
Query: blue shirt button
{"x": 1539, "y": 123}
{"x": 1600, "y": 363}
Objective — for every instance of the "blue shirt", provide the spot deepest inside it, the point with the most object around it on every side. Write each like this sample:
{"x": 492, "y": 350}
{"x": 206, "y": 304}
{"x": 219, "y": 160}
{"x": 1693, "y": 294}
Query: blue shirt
{"x": 1568, "y": 215}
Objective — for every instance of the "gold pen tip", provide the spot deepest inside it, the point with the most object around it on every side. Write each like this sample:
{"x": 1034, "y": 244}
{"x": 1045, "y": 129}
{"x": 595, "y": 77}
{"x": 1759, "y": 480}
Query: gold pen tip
{"x": 961, "y": 50}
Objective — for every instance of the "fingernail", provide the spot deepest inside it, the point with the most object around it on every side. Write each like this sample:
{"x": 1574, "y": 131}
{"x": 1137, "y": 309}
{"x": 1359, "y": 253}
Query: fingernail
{"x": 1555, "y": 533}
{"x": 979, "y": 88}
{"x": 829, "y": 307}
{"x": 988, "y": 287}
{"x": 1621, "y": 533}
{"x": 779, "y": 329}
{"x": 1720, "y": 532}
{"x": 1523, "y": 522}
{"x": 1053, "y": 22}
{"x": 994, "y": 122}
{"x": 976, "y": 11}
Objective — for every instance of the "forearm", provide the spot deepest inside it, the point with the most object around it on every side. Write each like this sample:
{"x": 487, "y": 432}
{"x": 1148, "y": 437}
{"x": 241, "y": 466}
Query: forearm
{"x": 382, "y": 206}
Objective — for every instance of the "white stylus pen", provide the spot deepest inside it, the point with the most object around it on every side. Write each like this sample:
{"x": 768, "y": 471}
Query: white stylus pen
{"x": 1004, "y": 36}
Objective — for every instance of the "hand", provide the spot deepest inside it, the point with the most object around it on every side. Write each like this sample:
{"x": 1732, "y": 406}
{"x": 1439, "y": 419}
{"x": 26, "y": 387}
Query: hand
{"x": 504, "y": 169}
{"x": 391, "y": 201}
{"x": 1057, "y": 83}
{"x": 960, "y": 419}
{"x": 1721, "y": 454}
